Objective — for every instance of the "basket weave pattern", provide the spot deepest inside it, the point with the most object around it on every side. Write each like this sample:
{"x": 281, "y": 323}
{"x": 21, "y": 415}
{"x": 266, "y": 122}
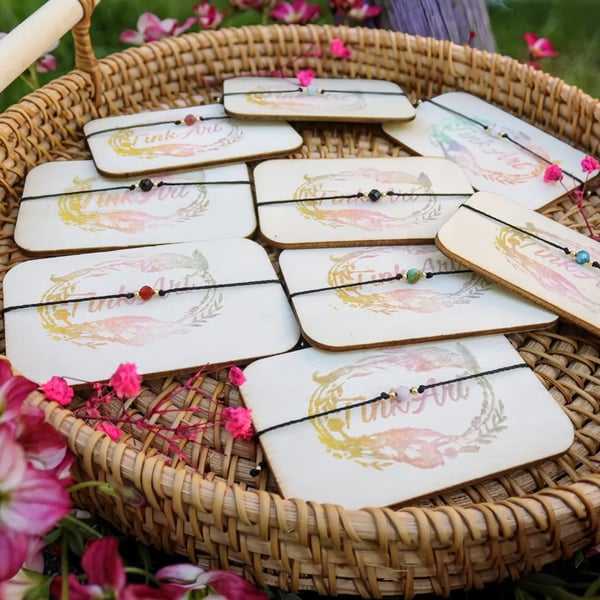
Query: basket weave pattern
{"x": 211, "y": 509}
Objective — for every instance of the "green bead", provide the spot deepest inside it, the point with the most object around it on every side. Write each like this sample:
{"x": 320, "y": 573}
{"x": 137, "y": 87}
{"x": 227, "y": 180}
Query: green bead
{"x": 413, "y": 275}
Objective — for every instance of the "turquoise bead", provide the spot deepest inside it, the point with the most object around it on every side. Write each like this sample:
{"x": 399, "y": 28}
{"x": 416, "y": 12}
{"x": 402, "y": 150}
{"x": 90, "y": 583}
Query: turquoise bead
{"x": 582, "y": 257}
{"x": 413, "y": 275}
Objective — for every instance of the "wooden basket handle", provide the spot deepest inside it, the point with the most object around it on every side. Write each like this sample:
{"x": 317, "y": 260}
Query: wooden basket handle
{"x": 29, "y": 40}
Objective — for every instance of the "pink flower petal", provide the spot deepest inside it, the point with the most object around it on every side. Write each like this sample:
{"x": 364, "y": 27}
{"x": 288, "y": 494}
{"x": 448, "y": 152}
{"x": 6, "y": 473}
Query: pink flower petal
{"x": 44, "y": 447}
{"x": 236, "y": 376}
{"x": 112, "y": 431}
{"x": 131, "y": 36}
{"x": 102, "y": 564}
{"x": 14, "y": 548}
{"x": 305, "y": 77}
{"x": 125, "y": 381}
{"x": 46, "y": 64}
{"x": 58, "y": 389}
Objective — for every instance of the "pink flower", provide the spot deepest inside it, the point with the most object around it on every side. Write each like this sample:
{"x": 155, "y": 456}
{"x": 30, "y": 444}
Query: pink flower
{"x": 31, "y": 503}
{"x": 112, "y": 431}
{"x": 539, "y": 47}
{"x": 589, "y": 164}
{"x": 151, "y": 28}
{"x": 13, "y": 391}
{"x": 125, "y": 381}
{"x": 359, "y": 10}
{"x": 236, "y": 376}
{"x": 553, "y": 173}
{"x": 339, "y": 49}
{"x": 183, "y": 577}
{"x": 237, "y": 420}
{"x": 106, "y": 577}
{"x": 58, "y": 389}
{"x": 29, "y": 576}
{"x": 209, "y": 17}
{"x": 305, "y": 77}
{"x": 296, "y": 12}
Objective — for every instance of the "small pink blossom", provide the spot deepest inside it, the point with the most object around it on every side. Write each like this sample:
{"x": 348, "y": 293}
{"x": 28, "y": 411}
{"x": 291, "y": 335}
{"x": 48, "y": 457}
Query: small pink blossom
{"x": 209, "y": 17}
{"x": 553, "y": 173}
{"x": 305, "y": 77}
{"x": 589, "y": 164}
{"x": 539, "y": 47}
{"x": 125, "y": 381}
{"x": 339, "y": 49}
{"x": 58, "y": 389}
{"x": 359, "y": 10}
{"x": 297, "y": 12}
{"x": 112, "y": 431}
{"x": 237, "y": 420}
{"x": 236, "y": 376}
{"x": 179, "y": 578}
{"x": 151, "y": 28}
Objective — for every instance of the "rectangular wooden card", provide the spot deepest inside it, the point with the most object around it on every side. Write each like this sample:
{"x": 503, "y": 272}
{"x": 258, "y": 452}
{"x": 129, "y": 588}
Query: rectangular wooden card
{"x": 524, "y": 251}
{"x": 73, "y": 316}
{"x": 68, "y": 206}
{"x": 499, "y": 152}
{"x": 324, "y": 202}
{"x": 182, "y": 138}
{"x": 377, "y": 313}
{"x": 389, "y": 451}
{"x": 357, "y": 100}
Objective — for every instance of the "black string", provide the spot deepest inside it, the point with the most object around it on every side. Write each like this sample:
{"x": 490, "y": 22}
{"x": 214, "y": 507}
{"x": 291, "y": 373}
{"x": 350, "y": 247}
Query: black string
{"x": 502, "y": 134}
{"x": 398, "y": 277}
{"x": 564, "y": 249}
{"x": 153, "y": 124}
{"x": 317, "y": 92}
{"x": 373, "y": 195}
{"x": 134, "y": 186}
{"x": 131, "y": 295}
{"x": 385, "y": 396}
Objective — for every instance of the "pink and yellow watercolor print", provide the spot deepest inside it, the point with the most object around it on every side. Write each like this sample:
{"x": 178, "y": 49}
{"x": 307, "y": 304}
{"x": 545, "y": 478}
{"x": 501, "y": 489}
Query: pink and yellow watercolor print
{"x": 379, "y": 435}
{"x": 97, "y": 322}
{"x": 360, "y": 212}
{"x": 485, "y": 155}
{"x": 550, "y": 267}
{"x": 176, "y": 140}
{"x": 129, "y": 211}
{"x": 390, "y": 298}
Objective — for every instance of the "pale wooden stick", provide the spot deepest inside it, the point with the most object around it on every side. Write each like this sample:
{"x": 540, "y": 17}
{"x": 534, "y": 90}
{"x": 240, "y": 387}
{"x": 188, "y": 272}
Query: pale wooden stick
{"x": 29, "y": 40}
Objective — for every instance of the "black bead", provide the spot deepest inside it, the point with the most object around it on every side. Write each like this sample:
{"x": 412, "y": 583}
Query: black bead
{"x": 374, "y": 195}
{"x": 146, "y": 185}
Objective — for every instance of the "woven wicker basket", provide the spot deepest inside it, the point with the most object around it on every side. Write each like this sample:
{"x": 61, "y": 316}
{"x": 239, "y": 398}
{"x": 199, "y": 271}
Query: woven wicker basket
{"x": 215, "y": 513}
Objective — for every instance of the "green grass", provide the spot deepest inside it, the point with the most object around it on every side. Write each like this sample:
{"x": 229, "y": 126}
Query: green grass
{"x": 571, "y": 25}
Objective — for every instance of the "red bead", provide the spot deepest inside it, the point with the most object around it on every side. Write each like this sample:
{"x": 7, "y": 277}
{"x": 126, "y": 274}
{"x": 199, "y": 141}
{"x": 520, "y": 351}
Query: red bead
{"x": 145, "y": 293}
{"x": 190, "y": 119}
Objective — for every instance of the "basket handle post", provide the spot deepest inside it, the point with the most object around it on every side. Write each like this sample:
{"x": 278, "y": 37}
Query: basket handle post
{"x": 85, "y": 59}
{"x": 31, "y": 38}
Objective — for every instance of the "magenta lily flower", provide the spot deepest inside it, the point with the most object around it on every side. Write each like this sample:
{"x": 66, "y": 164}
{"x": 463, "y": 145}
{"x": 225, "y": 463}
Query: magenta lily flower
{"x": 106, "y": 577}
{"x": 209, "y": 17}
{"x": 298, "y": 12}
{"x": 179, "y": 581}
{"x": 151, "y": 28}
{"x": 31, "y": 503}
{"x": 539, "y": 47}
{"x": 13, "y": 391}
{"x": 359, "y": 10}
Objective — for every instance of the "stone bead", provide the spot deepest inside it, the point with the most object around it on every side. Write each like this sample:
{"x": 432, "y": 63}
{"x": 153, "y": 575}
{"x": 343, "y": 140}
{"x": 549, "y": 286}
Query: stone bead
{"x": 401, "y": 393}
{"x": 189, "y": 119}
{"x": 413, "y": 275}
{"x": 146, "y": 185}
{"x": 145, "y": 293}
{"x": 582, "y": 257}
{"x": 374, "y": 195}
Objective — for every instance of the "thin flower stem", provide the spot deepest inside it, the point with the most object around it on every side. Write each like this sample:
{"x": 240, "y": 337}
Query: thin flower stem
{"x": 149, "y": 577}
{"x": 83, "y": 526}
{"x": 86, "y": 484}
{"x": 64, "y": 569}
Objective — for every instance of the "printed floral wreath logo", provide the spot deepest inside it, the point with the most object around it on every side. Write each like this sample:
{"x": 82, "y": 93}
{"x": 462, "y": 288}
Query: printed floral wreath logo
{"x": 550, "y": 267}
{"x": 130, "y": 330}
{"x": 213, "y": 135}
{"x": 418, "y": 298}
{"x": 367, "y": 215}
{"x": 420, "y": 447}
{"x": 522, "y": 165}
{"x": 97, "y": 211}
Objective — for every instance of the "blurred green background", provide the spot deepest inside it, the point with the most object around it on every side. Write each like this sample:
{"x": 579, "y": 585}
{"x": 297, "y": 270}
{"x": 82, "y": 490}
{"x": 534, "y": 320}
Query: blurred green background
{"x": 573, "y": 26}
